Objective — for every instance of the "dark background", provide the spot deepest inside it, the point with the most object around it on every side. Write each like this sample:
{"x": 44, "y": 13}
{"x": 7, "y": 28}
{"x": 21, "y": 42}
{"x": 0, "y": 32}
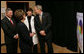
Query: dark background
{"x": 63, "y": 21}
{"x": 18, "y": 5}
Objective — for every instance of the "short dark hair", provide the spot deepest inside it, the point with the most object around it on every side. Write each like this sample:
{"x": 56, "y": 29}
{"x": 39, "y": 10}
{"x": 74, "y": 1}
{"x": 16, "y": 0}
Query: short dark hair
{"x": 19, "y": 14}
{"x": 30, "y": 9}
{"x": 8, "y": 9}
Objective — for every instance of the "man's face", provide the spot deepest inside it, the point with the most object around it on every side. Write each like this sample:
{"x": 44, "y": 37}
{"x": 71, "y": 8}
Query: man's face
{"x": 29, "y": 13}
{"x": 9, "y": 14}
{"x": 36, "y": 10}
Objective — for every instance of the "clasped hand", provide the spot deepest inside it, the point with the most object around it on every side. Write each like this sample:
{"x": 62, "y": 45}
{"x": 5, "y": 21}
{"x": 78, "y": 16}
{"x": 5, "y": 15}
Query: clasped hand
{"x": 32, "y": 34}
{"x": 42, "y": 32}
{"x": 16, "y": 36}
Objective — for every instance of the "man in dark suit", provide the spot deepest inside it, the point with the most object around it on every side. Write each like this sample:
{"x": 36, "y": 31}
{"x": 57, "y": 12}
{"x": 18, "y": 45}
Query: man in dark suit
{"x": 43, "y": 28}
{"x": 10, "y": 33}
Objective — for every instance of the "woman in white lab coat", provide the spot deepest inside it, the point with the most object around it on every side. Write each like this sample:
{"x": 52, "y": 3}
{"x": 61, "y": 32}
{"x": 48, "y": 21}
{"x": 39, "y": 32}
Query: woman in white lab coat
{"x": 29, "y": 22}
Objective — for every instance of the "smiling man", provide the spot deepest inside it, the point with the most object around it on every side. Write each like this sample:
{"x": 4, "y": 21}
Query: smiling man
{"x": 43, "y": 25}
{"x": 9, "y": 27}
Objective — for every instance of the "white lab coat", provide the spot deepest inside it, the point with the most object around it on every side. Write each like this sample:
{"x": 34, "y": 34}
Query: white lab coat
{"x": 34, "y": 38}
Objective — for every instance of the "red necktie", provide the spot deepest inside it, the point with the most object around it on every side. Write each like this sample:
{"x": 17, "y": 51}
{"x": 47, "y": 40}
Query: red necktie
{"x": 11, "y": 21}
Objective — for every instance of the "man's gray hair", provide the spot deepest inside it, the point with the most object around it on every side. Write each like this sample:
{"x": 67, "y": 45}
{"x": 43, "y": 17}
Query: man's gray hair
{"x": 8, "y": 9}
{"x": 39, "y": 7}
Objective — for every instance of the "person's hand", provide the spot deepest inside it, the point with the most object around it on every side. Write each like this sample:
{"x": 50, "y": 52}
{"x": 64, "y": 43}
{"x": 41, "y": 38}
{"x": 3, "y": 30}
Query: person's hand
{"x": 42, "y": 32}
{"x": 31, "y": 34}
{"x": 16, "y": 36}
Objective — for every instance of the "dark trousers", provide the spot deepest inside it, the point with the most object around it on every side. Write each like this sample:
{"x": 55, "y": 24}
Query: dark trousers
{"x": 26, "y": 49}
{"x": 42, "y": 45}
{"x": 11, "y": 48}
{"x": 35, "y": 49}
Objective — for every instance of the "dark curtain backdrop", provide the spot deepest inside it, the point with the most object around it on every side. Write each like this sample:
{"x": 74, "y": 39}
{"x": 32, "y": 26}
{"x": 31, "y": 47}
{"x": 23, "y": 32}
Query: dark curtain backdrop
{"x": 63, "y": 21}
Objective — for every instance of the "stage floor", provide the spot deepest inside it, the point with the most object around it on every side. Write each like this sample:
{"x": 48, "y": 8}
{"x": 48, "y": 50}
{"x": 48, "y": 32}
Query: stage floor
{"x": 56, "y": 48}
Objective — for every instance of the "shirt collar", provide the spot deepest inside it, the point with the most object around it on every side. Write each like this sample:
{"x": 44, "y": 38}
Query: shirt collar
{"x": 41, "y": 14}
{"x": 8, "y": 18}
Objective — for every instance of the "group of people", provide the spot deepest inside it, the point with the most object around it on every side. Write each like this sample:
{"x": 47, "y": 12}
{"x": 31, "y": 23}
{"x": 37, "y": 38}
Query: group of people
{"x": 30, "y": 30}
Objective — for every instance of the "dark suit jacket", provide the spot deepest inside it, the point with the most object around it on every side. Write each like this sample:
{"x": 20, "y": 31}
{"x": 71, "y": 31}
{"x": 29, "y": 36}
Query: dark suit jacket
{"x": 46, "y": 25}
{"x": 24, "y": 38}
{"x": 9, "y": 30}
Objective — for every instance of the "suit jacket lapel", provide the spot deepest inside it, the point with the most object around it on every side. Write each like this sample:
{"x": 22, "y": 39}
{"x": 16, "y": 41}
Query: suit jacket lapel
{"x": 8, "y": 22}
{"x": 43, "y": 17}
